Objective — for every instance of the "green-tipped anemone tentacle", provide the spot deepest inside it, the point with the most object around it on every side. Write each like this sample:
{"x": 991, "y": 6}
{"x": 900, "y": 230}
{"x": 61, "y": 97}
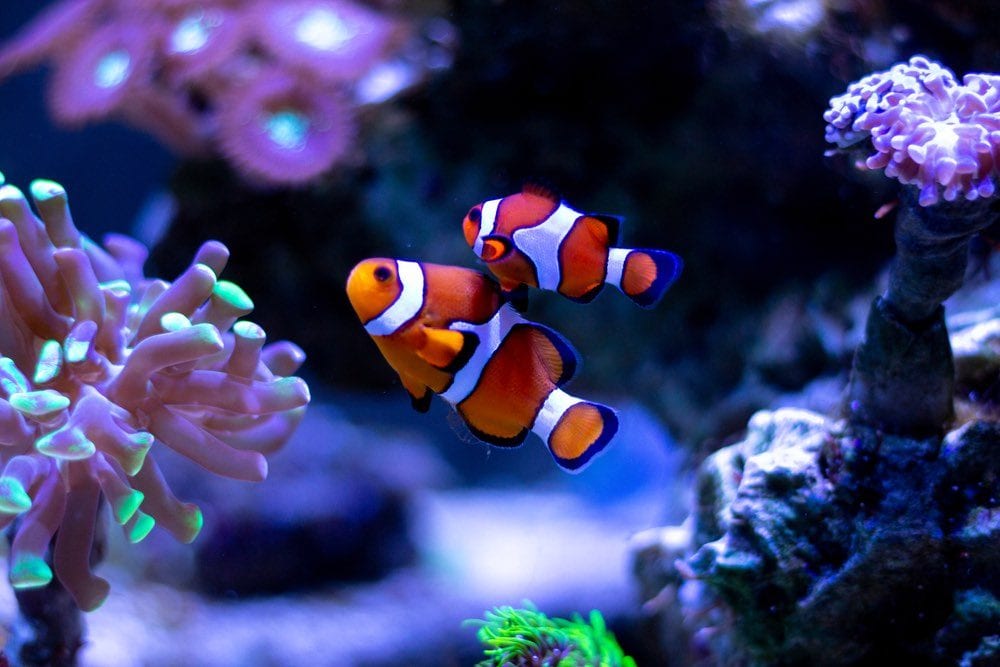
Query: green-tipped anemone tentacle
{"x": 29, "y": 571}
{"x": 139, "y": 445}
{"x": 233, "y": 295}
{"x": 12, "y": 380}
{"x": 139, "y": 526}
{"x": 68, "y": 444}
{"x": 125, "y": 507}
{"x": 193, "y": 521}
{"x": 42, "y": 189}
{"x": 14, "y": 499}
{"x": 174, "y": 321}
{"x": 50, "y": 358}
{"x": 39, "y": 404}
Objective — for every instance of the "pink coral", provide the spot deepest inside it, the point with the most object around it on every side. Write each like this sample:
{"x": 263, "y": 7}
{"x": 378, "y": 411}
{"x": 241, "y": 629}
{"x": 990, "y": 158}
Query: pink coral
{"x": 97, "y": 364}
{"x": 171, "y": 67}
{"x": 277, "y": 129}
{"x": 927, "y": 129}
{"x": 331, "y": 39}
{"x": 95, "y": 78}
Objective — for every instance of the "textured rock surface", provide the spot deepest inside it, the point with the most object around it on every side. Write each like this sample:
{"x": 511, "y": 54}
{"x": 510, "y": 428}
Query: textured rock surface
{"x": 835, "y": 545}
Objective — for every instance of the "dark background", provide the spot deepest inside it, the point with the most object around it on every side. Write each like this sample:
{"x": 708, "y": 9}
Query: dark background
{"x": 701, "y": 128}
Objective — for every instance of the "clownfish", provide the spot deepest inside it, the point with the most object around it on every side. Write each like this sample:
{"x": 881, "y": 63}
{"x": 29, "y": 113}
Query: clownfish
{"x": 535, "y": 239}
{"x": 448, "y": 330}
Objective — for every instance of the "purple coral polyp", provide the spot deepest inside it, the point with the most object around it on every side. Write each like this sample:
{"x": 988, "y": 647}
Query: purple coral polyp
{"x": 97, "y": 364}
{"x": 927, "y": 129}
{"x": 280, "y": 131}
{"x": 172, "y": 67}
{"x": 333, "y": 40}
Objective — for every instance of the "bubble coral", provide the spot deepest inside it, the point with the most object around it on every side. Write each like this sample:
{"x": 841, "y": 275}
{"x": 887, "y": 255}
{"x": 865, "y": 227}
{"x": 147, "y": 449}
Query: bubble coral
{"x": 927, "y": 129}
{"x": 173, "y": 67}
{"x": 97, "y": 364}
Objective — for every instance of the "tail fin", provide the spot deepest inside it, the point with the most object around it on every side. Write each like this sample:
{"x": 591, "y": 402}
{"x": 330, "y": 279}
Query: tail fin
{"x": 574, "y": 430}
{"x": 643, "y": 275}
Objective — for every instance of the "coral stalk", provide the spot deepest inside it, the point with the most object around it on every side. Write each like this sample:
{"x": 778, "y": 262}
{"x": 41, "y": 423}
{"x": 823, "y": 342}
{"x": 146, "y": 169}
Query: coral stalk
{"x": 902, "y": 379}
{"x": 940, "y": 139}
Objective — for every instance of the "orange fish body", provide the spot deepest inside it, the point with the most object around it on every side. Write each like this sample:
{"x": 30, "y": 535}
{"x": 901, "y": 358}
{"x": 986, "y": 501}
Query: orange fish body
{"x": 535, "y": 239}
{"x": 447, "y": 331}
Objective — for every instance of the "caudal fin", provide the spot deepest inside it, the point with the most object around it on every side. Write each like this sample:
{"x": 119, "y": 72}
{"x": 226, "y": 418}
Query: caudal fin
{"x": 643, "y": 275}
{"x": 574, "y": 430}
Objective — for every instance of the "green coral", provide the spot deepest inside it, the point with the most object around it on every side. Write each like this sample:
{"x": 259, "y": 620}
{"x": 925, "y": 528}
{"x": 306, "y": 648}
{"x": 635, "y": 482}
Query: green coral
{"x": 520, "y": 637}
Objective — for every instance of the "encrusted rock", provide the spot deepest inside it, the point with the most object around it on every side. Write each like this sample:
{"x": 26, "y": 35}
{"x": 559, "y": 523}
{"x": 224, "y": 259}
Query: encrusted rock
{"x": 826, "y": 544}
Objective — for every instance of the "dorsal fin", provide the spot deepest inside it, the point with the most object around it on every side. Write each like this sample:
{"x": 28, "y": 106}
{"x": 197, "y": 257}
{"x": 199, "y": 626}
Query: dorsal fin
{"x": 612, "y": 223}
{"x": 557, "y": 356}
{"x": 541, "y": 190}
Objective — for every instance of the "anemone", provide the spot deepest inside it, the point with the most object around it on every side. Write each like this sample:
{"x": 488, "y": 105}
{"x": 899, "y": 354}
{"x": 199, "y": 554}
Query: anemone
{"x": 99, "y": 363}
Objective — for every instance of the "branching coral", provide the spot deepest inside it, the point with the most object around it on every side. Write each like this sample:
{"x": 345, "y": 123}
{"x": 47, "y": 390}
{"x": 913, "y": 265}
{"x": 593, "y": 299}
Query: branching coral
{"x": 97, "y": 364}
{"x": 297, "y": 69}
{"x": 522, "y": 637}
{"x": 926, "y": 128}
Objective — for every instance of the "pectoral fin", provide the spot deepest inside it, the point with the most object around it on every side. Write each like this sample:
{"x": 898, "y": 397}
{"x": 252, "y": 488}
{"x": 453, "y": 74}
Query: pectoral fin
{"x": 444, "y": 348}
{"x": 420, "y": 394}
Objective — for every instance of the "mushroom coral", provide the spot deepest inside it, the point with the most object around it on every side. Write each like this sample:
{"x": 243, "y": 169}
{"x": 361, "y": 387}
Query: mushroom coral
{"x": 927, "y": 129}
{"x": 97, "y": 364}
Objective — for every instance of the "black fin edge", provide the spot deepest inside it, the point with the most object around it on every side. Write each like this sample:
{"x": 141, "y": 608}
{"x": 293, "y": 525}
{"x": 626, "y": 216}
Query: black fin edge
{"x": 664, "y": 259}
{"x": 570, "y": 357}
{"x": 494, "y": 440}
{"x": 463, "y": 356}
{"x": 423, "y": 403}
{"x": 586, "y": 297}
{"x": 610, "y": 418}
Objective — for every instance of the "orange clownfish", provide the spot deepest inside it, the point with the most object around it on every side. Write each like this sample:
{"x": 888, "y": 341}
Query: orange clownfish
{"x": 448, "y": 331}
{"x": 533, "y": 238}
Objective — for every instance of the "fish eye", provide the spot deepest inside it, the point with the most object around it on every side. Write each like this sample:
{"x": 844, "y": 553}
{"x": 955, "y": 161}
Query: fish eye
{"x": 475, "y": 214}
{"x": 382, "y": 274}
